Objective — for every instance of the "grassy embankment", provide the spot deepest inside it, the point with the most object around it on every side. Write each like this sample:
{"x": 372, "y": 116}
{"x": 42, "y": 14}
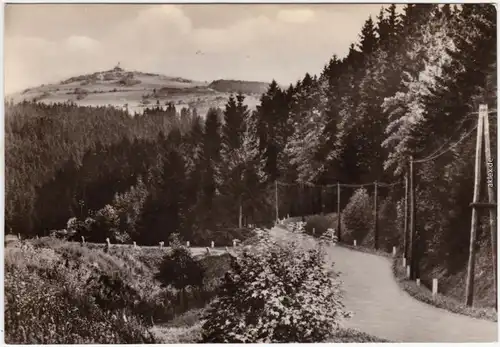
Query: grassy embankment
{"x": 62, "y": 292}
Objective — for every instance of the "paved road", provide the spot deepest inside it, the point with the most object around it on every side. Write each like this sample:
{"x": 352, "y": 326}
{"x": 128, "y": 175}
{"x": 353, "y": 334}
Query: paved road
{"x": 382, "y": 309}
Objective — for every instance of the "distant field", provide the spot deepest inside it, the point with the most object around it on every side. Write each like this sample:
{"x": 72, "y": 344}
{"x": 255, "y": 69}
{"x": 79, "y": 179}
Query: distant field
{"x": 137, "y": 90}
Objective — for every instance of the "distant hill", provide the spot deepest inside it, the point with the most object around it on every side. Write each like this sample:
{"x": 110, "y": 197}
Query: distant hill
{"x": 136, "y": 90}
{"x": 245, "y": 87}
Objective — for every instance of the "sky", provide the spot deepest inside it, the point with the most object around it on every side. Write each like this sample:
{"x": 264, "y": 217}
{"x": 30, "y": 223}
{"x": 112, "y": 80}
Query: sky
{"x": 46, "y": 43}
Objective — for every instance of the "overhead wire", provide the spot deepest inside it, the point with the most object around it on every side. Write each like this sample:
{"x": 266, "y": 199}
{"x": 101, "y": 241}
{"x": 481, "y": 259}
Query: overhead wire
{"x": 432, "y": 157}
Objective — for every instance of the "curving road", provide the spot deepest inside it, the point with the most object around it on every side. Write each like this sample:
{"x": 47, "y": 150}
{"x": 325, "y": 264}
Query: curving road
{"x": 382, "y": 309}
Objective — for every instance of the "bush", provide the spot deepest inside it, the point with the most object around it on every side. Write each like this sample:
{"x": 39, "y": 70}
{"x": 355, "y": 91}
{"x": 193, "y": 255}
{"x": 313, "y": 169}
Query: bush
{"x": 128, "y": 206}
{"x": 320, "y": 224}
{"x": 128, "y": 80}
{"x": 275, "y": 293}
{"x": 357, "y": 217}
{"x": 80, "y": 228}
{"x": 107, "y": 225}
{"x": 296, "y": 227}
{"x": 179, "y": 269}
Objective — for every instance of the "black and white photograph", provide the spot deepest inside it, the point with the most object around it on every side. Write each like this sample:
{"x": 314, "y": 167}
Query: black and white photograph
{"x": 257, "y": 173}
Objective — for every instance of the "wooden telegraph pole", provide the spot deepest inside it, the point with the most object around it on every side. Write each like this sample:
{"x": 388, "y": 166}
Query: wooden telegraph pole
{"x": 405, "y": 236}
{"x": 491, "y": 195}
{"x": 483, "y": 128}
{"x": 338, "y": 213}
{"x": 302, "y": 202}
{"x": 276, "y": 199}
{"x": 469, "y": 294}
{"x": 413, "y": 239}
{"x": 375, "y": 216}
{"x": 322, "y": 200}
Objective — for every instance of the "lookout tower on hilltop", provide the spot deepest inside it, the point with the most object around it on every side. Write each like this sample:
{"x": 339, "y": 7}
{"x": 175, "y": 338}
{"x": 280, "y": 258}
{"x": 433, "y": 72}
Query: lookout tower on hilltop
{"x": 117, "y": 67}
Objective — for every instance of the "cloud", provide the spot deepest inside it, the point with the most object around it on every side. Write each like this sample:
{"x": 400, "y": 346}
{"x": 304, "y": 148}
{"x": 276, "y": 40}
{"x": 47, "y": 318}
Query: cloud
{"x": 296, "y": 15}
{"x": 76, "y": 42}
{"x": 282, "y": 43}
{"x": 164, "y": 17}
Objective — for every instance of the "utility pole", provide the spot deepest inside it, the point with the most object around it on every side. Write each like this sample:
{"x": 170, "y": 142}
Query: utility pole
{"x": 413, "y": 232}
{"x": 276, "y": 199}
{"x": 491, "y": 195}
{"x": 375, "y": 214}
{"x": 406, "y": 219}
{"x": 322, "y": 200}
{"x": 338, "y": 213}
{"x": 469, "y": 294}
{"x": 302, "y": 202}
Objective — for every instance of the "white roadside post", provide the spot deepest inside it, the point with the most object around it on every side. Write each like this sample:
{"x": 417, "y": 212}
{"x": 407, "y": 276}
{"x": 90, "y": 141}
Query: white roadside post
{"x": 407, "y": 271}
{"x": 434, "y": 287}
{"x": 394, "y": 251}
{"x": 212, "y": 244}
{"x": 187, "y": 244}
{"x": 354, "y": 243}
{"x": 135, "y": 245}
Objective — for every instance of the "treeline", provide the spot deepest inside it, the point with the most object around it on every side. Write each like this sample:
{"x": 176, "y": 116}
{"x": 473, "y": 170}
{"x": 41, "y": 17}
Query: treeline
{"x": 409, "y": 87}
{"x": 102, "y": 173}
{"x": 406, "y": 88}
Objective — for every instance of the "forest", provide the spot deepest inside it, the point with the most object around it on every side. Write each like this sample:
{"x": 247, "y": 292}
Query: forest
{"x": 408, "y": 87}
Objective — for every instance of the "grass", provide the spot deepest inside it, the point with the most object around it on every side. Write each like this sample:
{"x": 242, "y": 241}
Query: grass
{"x": 347, "y": 335}
{"x": 422, "y": 293}
{"x": 187, "y": 328}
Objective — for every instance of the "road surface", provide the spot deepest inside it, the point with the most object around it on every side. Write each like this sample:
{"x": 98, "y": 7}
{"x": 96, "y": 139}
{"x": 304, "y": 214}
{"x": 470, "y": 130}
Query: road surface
{"x": 381, "y": 308}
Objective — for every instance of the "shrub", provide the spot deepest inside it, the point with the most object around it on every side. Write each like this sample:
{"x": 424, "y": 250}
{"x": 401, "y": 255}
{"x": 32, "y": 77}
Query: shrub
{"x": 107, "y": 225}
{"x": 275, "y": 293}
{"x": 128, "y": 206}
{"x": 181, "y": 271}
{"x": 320, "y": 224}
{"x": 80, "y": 228}
{"x": 296, "y": 227}
{"x": 109, "y": 76}
{"x": 128, "y": 81}
{"x": 358, "y": 216}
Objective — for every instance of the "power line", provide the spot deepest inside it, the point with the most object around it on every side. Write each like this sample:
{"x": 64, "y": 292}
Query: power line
{"x": 345, "y": 185}
{"x": 390, "y": 184}
{"x": 448, "y": 141}
{"x": 432, "y": 157}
